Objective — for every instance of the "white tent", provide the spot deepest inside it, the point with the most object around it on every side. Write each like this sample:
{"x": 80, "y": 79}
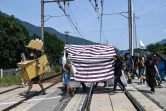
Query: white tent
{"x": 142, "y": 46}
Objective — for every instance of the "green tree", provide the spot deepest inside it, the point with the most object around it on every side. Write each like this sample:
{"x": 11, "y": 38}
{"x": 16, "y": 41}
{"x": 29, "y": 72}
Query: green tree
{"x": 157, "y": 48}
{"x": 13, "y": 38}
{"x": 53, "y": 46}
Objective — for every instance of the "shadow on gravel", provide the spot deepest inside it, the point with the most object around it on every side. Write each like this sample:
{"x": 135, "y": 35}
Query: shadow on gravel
{"x": 145, "y": 91}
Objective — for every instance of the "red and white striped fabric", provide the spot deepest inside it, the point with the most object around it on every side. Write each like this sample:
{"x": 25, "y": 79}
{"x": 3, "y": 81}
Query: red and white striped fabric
{"x": 93, "y": 62}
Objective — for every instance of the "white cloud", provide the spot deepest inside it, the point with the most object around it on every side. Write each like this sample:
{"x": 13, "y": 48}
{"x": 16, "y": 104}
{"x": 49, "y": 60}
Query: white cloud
{"x": 165, "y": 30}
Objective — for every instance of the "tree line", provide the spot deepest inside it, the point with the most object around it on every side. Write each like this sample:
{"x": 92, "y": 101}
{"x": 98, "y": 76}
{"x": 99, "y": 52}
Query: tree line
{"x": 14, "y": 37}
{"x": 157, "y": 48}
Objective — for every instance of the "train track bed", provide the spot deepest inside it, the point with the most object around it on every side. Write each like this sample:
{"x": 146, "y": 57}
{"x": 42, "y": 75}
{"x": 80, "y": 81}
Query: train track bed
{"x": 159, "y": 97}
{"x": 51, "y": 79}
{"x": 12, "y": 99}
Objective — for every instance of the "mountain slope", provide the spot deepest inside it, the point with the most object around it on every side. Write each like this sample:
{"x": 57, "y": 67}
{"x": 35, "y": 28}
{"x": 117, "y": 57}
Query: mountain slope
{"x": 162, "y": 41}
{"x": 32, "y": 29}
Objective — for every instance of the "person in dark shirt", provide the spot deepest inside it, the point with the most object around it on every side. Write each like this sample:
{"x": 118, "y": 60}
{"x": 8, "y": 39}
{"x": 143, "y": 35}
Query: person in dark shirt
{"x": 130, "y": 66}
{"x": 151, "y": 70}
{"x": 118, "y": 72}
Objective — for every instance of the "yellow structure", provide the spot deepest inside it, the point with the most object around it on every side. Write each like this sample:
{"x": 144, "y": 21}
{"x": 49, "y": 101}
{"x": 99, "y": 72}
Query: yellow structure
{"x": 35, "y": 44}
{"x": 29, "y": 69}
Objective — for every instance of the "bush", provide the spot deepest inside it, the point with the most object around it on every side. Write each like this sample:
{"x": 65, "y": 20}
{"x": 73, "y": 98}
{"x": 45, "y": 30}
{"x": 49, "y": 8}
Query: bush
{"x": 10, "y": 80}
{"x": 58, "y": 68}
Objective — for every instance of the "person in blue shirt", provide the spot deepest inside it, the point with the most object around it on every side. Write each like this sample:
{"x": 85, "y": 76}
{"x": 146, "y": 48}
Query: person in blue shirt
{"x": 161, "y": 68}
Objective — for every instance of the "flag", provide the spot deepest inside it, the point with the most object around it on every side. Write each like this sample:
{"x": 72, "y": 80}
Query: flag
{"x": 142, "y": 46}
{"x": 93, "y": 63}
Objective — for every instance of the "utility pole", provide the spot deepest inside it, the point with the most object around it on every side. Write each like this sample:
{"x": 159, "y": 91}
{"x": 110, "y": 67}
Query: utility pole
{"x": 42, "y": 15}
{"x": 130, "y": 26}
{"x": 67, "y": 32}
{"x": 135, "y": 32}
{"x": 132, "y": 51}
{"x": 42, "y": 22}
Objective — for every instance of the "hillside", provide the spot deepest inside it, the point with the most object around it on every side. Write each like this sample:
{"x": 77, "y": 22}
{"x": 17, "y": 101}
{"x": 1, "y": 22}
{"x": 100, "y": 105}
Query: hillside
{"x": 162, "y": 41}
{"x": 37, "y": 30}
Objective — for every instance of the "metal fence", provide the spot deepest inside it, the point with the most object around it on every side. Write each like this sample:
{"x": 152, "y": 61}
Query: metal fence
{"x": 8, "y": 72}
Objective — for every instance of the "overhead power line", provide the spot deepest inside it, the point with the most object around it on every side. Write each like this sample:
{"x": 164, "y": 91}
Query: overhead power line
{"x": 153, "y": 8}
{"x": 60, "y": 6}
{"x": 145, "y": 6}
{"x": 70, "y": 11}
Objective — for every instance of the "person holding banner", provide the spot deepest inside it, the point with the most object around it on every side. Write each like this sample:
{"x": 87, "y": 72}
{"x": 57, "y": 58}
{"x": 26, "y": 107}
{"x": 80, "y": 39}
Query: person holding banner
{"x": 67, "y": 70}
{"x": 118, "y": 73}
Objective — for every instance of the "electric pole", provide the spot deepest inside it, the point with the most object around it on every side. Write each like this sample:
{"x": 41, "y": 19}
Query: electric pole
{"x": 42, "y": 22}
{"x": 135, "y": 33}
{"x": 130, "y": 27}
{"x": 67, "y": 32}
{"x": 42, "y": 15}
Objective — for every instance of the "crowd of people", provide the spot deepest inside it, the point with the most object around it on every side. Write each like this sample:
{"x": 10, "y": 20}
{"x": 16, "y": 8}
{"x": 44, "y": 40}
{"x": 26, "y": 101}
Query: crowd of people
{"x": 148, "y": 67}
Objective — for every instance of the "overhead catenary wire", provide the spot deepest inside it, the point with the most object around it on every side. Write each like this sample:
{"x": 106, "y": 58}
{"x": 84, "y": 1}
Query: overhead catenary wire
{"x": 75, "y": 20}
{"x": 60, "y": 6}
{"x": 153, "y": 11}
{"x": 152, "y": 8}
{"x": 141, "y": 26}
{"x": 145, "y": 6}
{"x": 99, "y": 16}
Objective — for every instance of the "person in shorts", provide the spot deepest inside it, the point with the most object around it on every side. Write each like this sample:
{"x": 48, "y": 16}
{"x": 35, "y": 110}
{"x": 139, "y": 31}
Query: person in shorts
{"x": 67, "y": 70}
{"x": 35, "y": 79}
{"x": 130, "y": 67}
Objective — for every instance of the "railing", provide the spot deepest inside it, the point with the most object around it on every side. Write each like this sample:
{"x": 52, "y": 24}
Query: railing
{"x": 8, "y": 72}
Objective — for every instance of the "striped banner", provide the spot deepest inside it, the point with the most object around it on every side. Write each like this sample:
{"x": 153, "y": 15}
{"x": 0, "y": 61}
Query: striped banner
{"x": 93, "y": 63}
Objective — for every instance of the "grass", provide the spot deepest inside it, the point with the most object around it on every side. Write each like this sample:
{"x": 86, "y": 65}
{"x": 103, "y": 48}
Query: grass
{"x": 9, "y": 80}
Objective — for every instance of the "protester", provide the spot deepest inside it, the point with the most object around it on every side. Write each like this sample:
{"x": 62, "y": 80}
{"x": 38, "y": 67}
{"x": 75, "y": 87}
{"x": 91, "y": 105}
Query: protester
{"x": 67, "y": 70}
{"x": 134, "y": 72}
{"x": 151, "y": 70}
{"x": 35, "y": 79}
{"x": 141, "y": 68}
{"x": 24, "y": 81}
{"x": 119, "y": 67}
{"x": 130, "y": 66}
{"x": 161, "y": 68}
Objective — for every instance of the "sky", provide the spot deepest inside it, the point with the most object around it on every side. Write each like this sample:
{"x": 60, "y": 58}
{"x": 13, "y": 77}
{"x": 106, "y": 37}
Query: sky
{"x": 150, "y": 27}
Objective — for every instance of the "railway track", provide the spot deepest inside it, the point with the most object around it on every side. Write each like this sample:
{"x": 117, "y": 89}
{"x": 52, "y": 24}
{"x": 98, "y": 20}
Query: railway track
{"x": 43, "y": 80}
{"x": 34, "y": 94}
{"x": 60, "y": 107}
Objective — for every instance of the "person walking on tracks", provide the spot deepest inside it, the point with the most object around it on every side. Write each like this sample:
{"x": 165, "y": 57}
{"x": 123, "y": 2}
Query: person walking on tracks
{"x": 151, "y": 70}
{"x": 129, "y": 67}
{"x": 35, "y": 79}
{"x": 67, "y": 70}
{"x": 141, "y": 69}
{"x": 118, "y": 72}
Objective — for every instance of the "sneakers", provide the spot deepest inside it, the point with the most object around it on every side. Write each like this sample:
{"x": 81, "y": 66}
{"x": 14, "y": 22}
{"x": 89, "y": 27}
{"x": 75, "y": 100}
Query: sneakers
{"x": 66, "y": 96}
{"x": 43, "y": 92}
{"x": 129, "y": 81}
{"x": 152, "y": 92}
{"x": 22, "y": 85}
{"x": 26, "y": 84}
{"x": 112, "y": 92}
{"x": 25, "y": 94}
